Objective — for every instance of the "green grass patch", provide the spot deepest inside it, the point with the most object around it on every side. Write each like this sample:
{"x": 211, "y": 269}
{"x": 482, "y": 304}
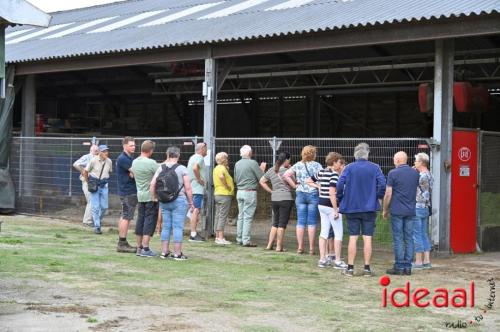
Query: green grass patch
{"x": 7, "y": 240}
{"x": 232, "y": 281}
{"x": 490, "y": 209}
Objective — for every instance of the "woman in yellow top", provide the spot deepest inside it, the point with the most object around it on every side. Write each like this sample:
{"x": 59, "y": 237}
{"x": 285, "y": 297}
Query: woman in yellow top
{"x": 224, "y": 191}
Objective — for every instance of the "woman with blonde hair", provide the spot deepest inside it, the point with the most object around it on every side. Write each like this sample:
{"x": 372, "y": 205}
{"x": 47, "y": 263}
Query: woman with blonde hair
{"x": 224, "y": 191}
{"x": 307, "y": 197}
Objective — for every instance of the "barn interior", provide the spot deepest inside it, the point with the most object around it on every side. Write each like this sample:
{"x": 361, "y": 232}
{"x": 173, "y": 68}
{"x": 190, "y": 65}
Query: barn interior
{"x": 367, "y": 91}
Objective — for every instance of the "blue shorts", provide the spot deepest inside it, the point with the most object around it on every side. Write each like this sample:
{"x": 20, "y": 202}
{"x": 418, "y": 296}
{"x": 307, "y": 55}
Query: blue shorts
{"x": 197, "y": 201}
{"x": 362, "y": 223}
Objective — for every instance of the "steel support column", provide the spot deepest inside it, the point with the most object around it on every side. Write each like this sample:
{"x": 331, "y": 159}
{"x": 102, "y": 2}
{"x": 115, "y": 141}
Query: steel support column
{"x": 442, "y": 136}
{"x": 209, "y": 129}
{"x": 29, "y": 107}
{"x": 28, "y": 130}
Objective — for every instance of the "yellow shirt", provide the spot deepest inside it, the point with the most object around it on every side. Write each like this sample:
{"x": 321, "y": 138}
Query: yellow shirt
{"x": 219, "y": 187}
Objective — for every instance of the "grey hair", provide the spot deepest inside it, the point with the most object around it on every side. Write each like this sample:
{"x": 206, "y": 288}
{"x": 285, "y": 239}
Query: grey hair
{"x": 199, "y": 146}
{"x": 173, "y": 152}
{"x": 423, "y": 158}
{"x": 245, "y": 150}
{"x": 93, "y": 148}
{"x": 361, "y": 151}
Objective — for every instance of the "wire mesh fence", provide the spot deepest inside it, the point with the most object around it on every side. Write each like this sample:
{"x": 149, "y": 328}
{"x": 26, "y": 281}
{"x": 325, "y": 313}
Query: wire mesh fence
{"x": 489, "y": 190}
{"x": 47, "y": 184}
{"x": 382, "y": 151}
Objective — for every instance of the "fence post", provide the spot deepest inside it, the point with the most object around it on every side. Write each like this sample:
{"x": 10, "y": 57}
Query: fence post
{"x": 275, "y": 145}
{"x": 479, "y": 233}
{"x": 70, "y": 167}
{"x": 20, "y": 184}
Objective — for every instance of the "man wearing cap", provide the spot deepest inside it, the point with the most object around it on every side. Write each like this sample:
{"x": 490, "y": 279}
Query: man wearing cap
{"x": 98, "y": 169}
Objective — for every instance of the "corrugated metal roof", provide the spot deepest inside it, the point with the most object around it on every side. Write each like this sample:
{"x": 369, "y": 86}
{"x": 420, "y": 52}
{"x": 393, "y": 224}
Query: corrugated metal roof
{"x": 255, "y": 19}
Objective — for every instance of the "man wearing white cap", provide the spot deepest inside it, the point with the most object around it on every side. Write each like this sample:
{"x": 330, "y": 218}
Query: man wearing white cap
{"x": 96, "y": 174}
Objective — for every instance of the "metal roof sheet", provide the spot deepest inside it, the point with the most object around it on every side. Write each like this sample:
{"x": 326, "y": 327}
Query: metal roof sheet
{"x": 255, "y": 19}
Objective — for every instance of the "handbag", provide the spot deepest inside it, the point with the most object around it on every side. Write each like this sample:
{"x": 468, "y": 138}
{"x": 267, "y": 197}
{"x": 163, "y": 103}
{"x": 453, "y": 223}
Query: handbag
{"x": 93, "y": 184}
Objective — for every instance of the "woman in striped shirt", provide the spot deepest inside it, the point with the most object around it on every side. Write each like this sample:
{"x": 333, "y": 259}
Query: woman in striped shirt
{"x": 326, "y": 181}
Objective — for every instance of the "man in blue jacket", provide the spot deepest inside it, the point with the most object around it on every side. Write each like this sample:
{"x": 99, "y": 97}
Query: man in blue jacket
{"x": 359, "y": 191}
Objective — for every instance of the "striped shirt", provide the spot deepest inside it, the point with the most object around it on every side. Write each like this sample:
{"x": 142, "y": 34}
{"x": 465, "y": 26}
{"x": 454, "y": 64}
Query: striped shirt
{"x": 326, "y": 178}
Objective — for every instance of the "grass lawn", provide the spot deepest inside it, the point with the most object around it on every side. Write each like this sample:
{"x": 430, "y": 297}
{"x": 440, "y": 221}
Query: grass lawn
{"x": 56, "y": 275}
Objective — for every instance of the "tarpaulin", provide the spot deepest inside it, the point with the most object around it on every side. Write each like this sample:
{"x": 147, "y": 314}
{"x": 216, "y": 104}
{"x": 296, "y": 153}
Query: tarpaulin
{"x": 7, "y": 191}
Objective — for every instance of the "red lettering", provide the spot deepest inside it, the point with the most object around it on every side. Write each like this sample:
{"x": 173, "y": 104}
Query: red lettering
{"x": 384, "y": 297}
{"x": 417, "y": 297}
{"x": 406, "y": 292}
{"x": 459, "y": 294}
{"x": 472, "y": 294}
{"x": 441, "y": 293}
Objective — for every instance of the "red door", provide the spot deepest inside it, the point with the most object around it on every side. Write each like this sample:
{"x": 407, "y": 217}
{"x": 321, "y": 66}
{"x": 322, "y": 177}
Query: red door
{"x": 464, "y": 191}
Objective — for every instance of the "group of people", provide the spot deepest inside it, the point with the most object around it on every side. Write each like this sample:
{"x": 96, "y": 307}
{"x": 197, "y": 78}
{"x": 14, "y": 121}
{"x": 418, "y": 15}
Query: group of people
{"x": 168, "y": 193}
{"x": 162, "y": 193}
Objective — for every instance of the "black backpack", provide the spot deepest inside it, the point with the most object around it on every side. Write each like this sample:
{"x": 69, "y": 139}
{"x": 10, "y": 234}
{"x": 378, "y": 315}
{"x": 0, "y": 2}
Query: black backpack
{"x": 167, "y": 184}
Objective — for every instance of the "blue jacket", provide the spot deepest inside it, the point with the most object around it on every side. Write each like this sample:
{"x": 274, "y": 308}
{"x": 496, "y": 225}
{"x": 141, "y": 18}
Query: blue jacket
{"x": 360, "y": 186}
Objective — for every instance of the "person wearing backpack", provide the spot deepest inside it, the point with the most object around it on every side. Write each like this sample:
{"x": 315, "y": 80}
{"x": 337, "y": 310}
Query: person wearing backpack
{"x": 143, "y": 169}
{"x": 172, "y": 187}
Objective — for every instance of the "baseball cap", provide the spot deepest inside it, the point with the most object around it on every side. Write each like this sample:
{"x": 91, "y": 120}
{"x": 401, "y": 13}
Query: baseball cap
{"x": 103, "y": 148}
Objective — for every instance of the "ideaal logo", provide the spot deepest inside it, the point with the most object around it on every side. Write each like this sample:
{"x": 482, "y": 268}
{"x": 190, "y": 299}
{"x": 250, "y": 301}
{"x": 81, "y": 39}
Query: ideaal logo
{"x": 422, "y": 297}
{"x": 439, "y": 298}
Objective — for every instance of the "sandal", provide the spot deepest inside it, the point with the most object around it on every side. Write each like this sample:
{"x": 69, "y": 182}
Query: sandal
{"x": 281, "y": 250}
{"x": 268, "y": 248}
{"x": 312, "y": 253}
{"x": 300, "y": 251}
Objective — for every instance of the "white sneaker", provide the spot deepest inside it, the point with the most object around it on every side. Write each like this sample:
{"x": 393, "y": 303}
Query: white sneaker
{"x": 219, "y": 242}
{"x": 340, "y": 265}
{"x": 226, "y": 241}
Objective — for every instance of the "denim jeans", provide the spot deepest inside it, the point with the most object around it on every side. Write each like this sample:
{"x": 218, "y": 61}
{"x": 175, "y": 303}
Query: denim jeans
{"x": 99, "y": 203}
{"x": 421, "y": 230}
{"x": 247, "y": 203}
{"x": 174, "y": 215}
{"x": 307, "y": 209}
{"x": 402, "y": 235}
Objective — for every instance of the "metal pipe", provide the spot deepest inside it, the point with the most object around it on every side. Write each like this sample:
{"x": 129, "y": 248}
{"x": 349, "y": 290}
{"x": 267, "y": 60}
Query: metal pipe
{"x": 284, "y": 88}
{"x": 351, "y": 69}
